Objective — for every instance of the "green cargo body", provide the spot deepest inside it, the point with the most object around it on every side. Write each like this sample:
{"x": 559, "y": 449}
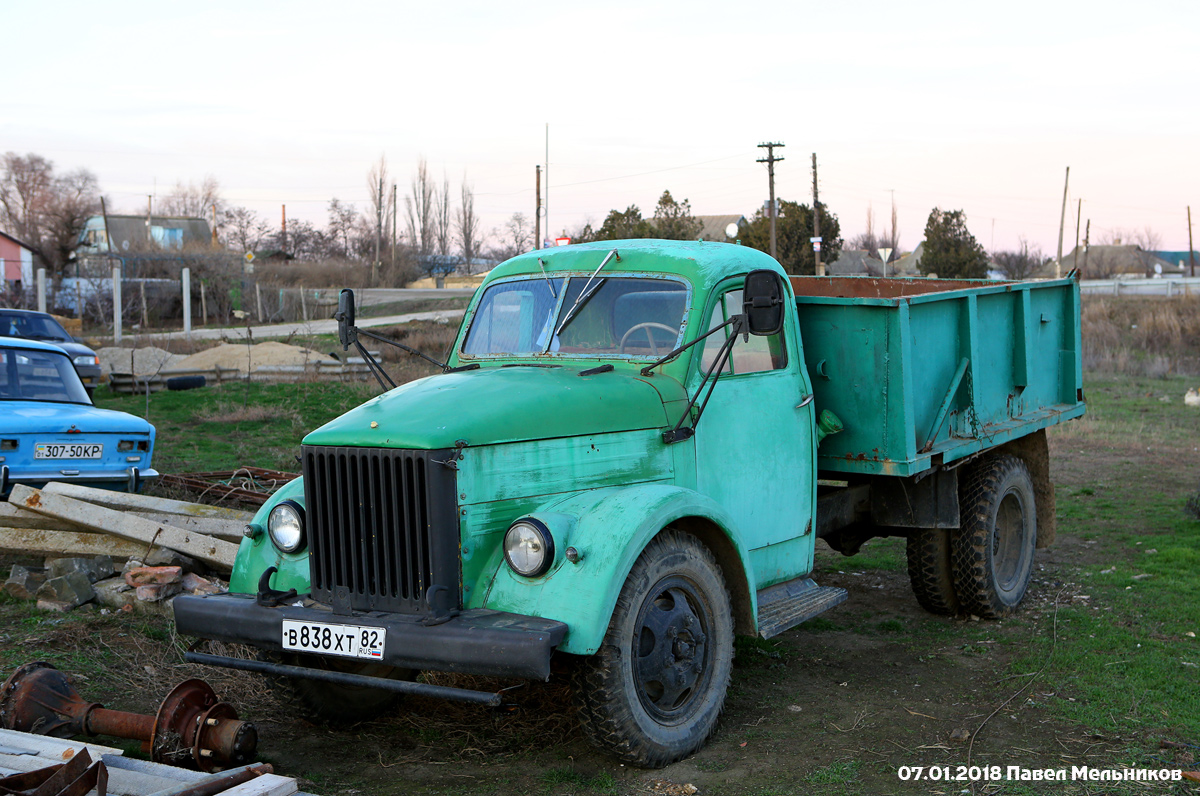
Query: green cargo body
{"x": 923, "y": 372}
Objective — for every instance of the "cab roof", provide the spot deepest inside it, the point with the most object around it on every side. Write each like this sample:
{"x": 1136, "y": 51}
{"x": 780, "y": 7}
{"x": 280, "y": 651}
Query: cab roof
{"x": 704, "y": 263}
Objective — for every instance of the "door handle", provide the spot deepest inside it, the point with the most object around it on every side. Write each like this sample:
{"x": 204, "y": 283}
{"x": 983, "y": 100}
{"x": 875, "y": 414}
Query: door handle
{"x": 805, "y": 401}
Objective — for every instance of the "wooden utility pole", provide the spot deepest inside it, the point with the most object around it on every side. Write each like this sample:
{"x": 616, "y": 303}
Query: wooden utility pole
{"x": 1191, "y": 249}
{"x": 283, "y": 227}
{"x": 395, "y": 213}
{"x": 771, "y": 160}
{"x": 820, "y": 270}
{"x": 214, "y": 227}
{"x": 1078, "y": 211}
{"x": 537, "y": 216}
{"x": 1087, "y": 235}
{"x": 378, "y": 222}
{"x": 1062, "y": 220}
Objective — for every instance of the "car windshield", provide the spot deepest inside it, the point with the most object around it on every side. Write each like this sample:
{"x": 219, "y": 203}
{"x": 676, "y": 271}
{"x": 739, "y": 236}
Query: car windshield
{"x": 613, "y": 316}
{"x": 31, "y": 327}
{"x": 29, "y": 375}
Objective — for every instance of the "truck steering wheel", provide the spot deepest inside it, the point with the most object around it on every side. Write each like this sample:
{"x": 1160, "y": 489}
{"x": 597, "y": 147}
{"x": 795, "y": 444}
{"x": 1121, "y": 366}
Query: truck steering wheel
{"x": 648, "y": 325}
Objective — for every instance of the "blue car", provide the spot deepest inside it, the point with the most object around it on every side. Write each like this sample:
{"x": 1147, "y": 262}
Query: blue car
{"x": 49, "y": 430}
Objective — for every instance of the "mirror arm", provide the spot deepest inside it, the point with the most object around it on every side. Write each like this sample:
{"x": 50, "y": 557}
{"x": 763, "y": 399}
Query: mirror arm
{"x": 646, "y": 370}
{"x": 376, "y": 369}
{"x": 430, "y": 359}
{"x": 679, "y": 433}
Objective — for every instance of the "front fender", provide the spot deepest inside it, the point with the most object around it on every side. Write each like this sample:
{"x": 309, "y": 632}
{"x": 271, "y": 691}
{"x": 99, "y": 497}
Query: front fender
{"x": 255, "y": 555}
{"x": 609, "y": 528}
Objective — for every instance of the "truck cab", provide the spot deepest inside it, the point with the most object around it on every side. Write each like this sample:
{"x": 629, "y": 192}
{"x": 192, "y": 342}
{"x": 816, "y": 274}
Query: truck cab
{"x": 617, "y": 469}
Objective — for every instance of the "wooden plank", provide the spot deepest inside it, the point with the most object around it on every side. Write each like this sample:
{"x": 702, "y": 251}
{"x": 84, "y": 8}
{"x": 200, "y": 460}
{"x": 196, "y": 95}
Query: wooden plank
{"x": 121, "y": 782}
{"x": 206, "y": 548}
{"x": 69, "y": 543}
{"x": 138, "y": 502}
{"x": 266, "y": 785}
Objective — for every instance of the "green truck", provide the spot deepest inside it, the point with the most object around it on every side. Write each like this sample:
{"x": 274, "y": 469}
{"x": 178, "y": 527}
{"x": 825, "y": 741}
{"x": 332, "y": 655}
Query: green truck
{"x": 628, "y": 459}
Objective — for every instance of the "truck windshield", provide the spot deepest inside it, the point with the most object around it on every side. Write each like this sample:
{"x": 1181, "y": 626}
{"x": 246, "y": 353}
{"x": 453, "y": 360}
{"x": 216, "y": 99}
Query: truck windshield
{"x": 618, "y": 316}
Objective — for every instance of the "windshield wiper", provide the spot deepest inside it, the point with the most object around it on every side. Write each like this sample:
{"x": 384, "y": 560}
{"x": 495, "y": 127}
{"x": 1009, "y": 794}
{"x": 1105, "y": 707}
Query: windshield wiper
{"x": 584, "y": 295}
{"x": 546, "y": 276}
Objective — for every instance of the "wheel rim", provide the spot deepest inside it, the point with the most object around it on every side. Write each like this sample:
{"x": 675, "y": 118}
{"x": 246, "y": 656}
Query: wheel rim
{"x": 672, "y": 656}
{"x": 1008, "y": 542}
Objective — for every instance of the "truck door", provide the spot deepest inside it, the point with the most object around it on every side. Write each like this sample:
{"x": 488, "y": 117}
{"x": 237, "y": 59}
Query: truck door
{"x": 755, "y": 451}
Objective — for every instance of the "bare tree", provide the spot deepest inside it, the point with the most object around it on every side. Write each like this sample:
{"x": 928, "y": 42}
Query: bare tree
{"x": 1021, "y": 263}
{"x": 419, "y": 210}
{"x": 342, "y": 218}
{"x": 1148, "y": 242}
{"x": 244, "y": 229}
{"x": 192, "y": 200}
{"x": 25, "y": 193}
{"x": 515, "y": 238}
{"x": 381, "y": 202}
{"x": 74, "y": 199}
{"x": 892, "y": 237}
{"x": 442, "y": 230}
{"x": 467, "y": 226}
{"x": 867, "y": 240}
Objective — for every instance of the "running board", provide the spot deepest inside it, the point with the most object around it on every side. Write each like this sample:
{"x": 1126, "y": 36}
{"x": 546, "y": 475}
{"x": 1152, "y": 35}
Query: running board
{"x": 785, "y": 605}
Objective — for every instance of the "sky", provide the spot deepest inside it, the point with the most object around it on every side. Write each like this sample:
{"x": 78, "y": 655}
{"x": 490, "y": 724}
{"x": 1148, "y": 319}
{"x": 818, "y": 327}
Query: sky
{"x": 971, "y": 106}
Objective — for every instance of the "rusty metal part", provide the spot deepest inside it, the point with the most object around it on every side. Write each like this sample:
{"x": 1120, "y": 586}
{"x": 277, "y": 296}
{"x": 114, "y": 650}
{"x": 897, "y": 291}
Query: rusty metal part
{"x": 76, "y": 777}
{"x": 248, "y": 485}
{"x": 218, "y": 783}
{"x": 191, "y": 727}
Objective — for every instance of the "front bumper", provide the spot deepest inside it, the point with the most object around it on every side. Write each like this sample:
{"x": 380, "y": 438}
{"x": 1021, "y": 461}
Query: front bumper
{"x": 479, "y": 641}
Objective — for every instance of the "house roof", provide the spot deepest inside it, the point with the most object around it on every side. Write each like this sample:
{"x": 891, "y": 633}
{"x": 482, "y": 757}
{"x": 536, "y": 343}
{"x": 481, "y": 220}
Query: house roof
{"x": 713, "y": 227}
{"x": 17, "y": 241}
{"x": 1175, "y": 258}
{"x": 1104, "y": 260}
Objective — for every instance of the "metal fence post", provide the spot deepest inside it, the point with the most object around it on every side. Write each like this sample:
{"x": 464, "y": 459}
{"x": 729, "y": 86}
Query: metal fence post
{"x": 116, "y": 299}
{"x": 187, "y": 300}
{"x": 41, "y": 289}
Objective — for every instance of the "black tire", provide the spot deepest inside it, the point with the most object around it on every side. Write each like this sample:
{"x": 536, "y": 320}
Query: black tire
{"x": 994, "y": 548}
{"x": 930, "y": 571}
{"x": 639, "y": 699}
{"x": 333, "y": 703}
{"x": 176, "y": 383}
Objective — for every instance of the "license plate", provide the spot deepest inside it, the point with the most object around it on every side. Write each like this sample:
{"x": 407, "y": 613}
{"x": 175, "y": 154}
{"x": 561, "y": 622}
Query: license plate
{"x": 351, "y": 641}
{"x": 74, "y": 450}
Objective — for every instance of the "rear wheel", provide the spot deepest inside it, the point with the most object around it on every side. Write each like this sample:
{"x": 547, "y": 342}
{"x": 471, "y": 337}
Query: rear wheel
{"x": 993, "y": 550}
{"x": 335, "y": 703}
{"x": 930, "y": 571}
{"x": 653, "y": 692}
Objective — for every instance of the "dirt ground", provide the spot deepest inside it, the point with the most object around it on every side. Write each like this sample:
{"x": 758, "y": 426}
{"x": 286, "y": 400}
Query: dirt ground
{"x": 836, "y": 706}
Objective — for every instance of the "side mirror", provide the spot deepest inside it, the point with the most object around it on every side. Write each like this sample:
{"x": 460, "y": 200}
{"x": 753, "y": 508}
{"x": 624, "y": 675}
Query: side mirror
{"x": 762, "y": 302}
{"x": 345, "y": 318}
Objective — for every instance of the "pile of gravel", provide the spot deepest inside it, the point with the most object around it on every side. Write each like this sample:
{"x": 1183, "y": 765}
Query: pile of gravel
{"x": 139, "y": 361}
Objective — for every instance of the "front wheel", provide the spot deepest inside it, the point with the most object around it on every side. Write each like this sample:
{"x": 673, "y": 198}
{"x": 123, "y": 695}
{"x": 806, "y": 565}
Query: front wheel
{"x": 994, "y": 548}
{"x": 653, "y": 692}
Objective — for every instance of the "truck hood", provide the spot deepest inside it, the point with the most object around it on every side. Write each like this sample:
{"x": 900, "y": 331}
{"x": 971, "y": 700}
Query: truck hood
{"x": 497, "y": 404}
{"x": 59, "y": 418}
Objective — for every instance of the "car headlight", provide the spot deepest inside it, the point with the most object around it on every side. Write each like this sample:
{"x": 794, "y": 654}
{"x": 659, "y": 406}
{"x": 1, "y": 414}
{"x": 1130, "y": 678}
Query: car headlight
{"x": 285, "y": 524}
{"x": 86, "y": 359}
{"x": 529, "y": 547}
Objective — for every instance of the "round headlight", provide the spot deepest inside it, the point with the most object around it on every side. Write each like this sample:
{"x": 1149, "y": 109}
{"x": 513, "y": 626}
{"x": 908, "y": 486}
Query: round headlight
{"x": 529, "y": 547}
{"x": 285, "y": 524}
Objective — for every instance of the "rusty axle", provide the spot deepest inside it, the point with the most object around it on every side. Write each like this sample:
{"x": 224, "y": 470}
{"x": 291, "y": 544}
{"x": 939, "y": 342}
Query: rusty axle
{"x": 191, "y": 727}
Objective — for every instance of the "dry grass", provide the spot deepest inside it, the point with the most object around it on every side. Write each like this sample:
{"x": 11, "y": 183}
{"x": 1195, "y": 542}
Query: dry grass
{"x": 250, "y": 413}
{"x": 1141, "y": 336}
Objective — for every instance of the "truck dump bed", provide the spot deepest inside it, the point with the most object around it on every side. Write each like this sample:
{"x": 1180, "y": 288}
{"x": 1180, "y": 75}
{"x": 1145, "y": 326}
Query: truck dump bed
{"x": 927, "y": 371}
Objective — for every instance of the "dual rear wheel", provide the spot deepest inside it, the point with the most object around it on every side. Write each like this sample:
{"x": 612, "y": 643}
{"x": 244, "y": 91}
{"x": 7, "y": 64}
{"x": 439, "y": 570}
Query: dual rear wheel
{"x": 984, "y": 566}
